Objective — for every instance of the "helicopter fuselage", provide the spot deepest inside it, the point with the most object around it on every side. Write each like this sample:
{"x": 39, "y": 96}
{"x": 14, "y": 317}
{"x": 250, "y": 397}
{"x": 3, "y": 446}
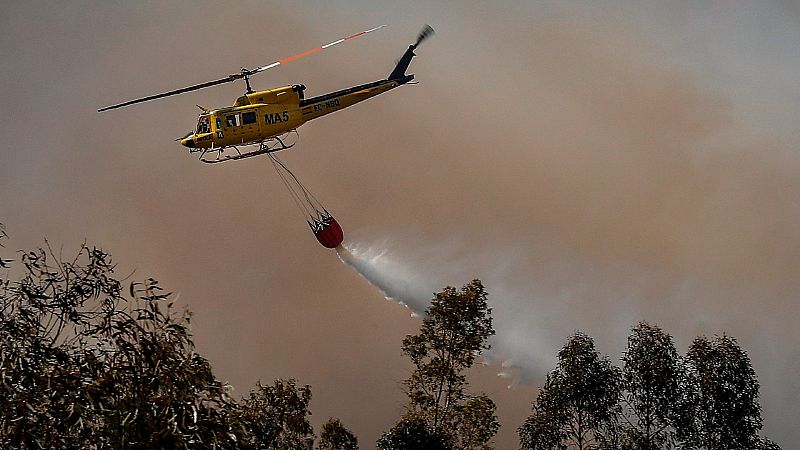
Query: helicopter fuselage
{"x": 258, "y": 116}
{"x": 270, "y": 118}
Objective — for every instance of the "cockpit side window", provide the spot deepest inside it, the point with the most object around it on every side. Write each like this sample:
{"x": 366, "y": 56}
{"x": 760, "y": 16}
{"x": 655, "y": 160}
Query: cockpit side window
{"x": 203, "y": 125}
{"x": 249, "y": 117}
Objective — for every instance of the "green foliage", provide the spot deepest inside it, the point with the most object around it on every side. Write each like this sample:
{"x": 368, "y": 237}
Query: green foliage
{"x": 477, "y": 422}
{"x": 727, "y": 414}
{"x": 578, "y": 401}
{"x": 767, "y": 444}
{"x": 454, "y": 331}
{"x": 413, "y": 433}
{"x": 83, "y": 366}
{"x": 276, "y": 417}
{"x": 4, "y": 263}
{"x": 707, "y": 401}
{"x": 335, "y": 436}
{"x": 654, "y": 387}
{"x": 546, "y": 427}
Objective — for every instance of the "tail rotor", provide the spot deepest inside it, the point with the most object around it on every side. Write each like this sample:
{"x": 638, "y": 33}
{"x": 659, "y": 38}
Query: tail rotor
{"x": 399, "y": 72}
{"x": 426, "y": 32}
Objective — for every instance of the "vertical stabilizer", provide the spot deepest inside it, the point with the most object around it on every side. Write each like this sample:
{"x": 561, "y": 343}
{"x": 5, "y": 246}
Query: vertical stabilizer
{"x": 402, "y": 65}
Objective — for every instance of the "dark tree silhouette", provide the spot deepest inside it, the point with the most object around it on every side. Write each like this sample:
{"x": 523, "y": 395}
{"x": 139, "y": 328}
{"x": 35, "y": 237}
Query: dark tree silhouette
{"x": 413, "y": 433}
{"x": 707, "y": 401}
{"x": 655, "y": 388}
{"x": 727, "y": 414}
{"x": 85, "y": 363}
{"x": 82, "y": 365}
{"x": 276, "y": 417}
{"x": 334, "y": 436}
{"x": 578, "y": 402}
{"x": 454, "y": 331}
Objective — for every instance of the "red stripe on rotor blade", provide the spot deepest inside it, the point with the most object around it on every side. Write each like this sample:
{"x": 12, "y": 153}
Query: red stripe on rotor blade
{"x": 355, "y": 35}
{"x": 300, "y": 55}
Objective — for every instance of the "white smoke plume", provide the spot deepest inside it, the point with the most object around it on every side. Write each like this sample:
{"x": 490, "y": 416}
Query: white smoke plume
{"x": 520, "y": 316}
{"x": 540, "y": 294}
{"x": 391, "y": 277}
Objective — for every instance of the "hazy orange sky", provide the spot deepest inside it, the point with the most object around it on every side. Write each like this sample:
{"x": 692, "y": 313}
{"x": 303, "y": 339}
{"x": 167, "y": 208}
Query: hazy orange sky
{"x": 596, "y": 164}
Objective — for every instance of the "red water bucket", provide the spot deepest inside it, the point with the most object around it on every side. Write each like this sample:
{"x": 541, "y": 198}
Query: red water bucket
{"x": 330, "y": 235}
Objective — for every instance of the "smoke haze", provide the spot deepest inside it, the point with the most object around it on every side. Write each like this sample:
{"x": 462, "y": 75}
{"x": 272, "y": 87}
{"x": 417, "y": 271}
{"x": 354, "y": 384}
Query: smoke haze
{"x": 594, "y": 164}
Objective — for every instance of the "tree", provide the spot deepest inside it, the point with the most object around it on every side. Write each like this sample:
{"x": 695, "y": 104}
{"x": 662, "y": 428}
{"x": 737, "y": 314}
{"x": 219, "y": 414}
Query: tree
{"x": 4, "y": 263}
{"x": 335, "y": 436}
{"x": 707, "y": 401}
{"x": 454, "y": 331}
{"x": 413, "y": 433}
{"x": 654, "y": 383}
{"x": 578, "y": 402}
{"x": 85, "y": 363}
{"x": 276, "y": 417}
{"x": 727, "y": 414}
{"x": 767, "y": 444}
{"x": 477, "y": 423}
{"x": 82, "y": 365}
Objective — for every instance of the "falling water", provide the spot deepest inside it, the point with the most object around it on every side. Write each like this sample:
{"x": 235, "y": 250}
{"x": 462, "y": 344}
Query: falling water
{"x": 412, "y": 282}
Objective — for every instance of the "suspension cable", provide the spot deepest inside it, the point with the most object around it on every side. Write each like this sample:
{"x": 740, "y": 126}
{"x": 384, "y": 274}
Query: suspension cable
{"x": 313, "y": 201}
{"x": 304, "y": 211}
{"x": 317, "y": 213}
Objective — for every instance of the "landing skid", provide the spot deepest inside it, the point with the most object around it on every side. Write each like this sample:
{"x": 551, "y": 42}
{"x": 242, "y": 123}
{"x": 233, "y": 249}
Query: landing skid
{"x": 270, "y": 145}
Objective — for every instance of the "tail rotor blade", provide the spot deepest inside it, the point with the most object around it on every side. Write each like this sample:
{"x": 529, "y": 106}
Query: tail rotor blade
{"x": 426, "y": 32}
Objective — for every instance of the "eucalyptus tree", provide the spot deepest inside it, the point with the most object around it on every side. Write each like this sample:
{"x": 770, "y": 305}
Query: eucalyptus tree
{"x": 276, "y": 417}
{"x": 413, "y": 433}
{"x": 335, "y": 436}
{"x": 727, "y": 414}
{"x": 656, "y": 393}
{"x": 85, "y": 364}
{"x": 88, "y": 363}
{"x": 454, "y": 331}
{"x": 579, "y": 402}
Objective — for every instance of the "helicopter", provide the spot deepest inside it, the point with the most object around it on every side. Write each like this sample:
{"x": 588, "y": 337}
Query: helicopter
{"x": 269, "y": 119}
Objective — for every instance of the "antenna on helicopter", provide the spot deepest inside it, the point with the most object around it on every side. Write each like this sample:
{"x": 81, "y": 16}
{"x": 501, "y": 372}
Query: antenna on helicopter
{"x": 243, "y": 74}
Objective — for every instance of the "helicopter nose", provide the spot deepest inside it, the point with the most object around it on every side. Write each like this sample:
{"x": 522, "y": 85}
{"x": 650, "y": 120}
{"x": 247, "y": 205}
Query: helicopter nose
{"x": 188, "y": 143}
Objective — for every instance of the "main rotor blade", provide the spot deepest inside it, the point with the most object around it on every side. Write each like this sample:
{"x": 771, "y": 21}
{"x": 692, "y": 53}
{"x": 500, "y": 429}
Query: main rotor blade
{"x": 313, "y": 50}
{"x": 237, "y": 76}
{"x": 227, "y": 79}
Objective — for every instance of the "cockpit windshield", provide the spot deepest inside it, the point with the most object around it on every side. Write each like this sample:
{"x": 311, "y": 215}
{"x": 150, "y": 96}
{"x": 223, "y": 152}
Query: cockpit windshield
{"x": 203, "y": 125}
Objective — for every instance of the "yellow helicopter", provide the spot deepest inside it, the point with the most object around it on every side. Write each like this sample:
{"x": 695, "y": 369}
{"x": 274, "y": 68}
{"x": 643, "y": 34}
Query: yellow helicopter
{"x": 270, "y": 118}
